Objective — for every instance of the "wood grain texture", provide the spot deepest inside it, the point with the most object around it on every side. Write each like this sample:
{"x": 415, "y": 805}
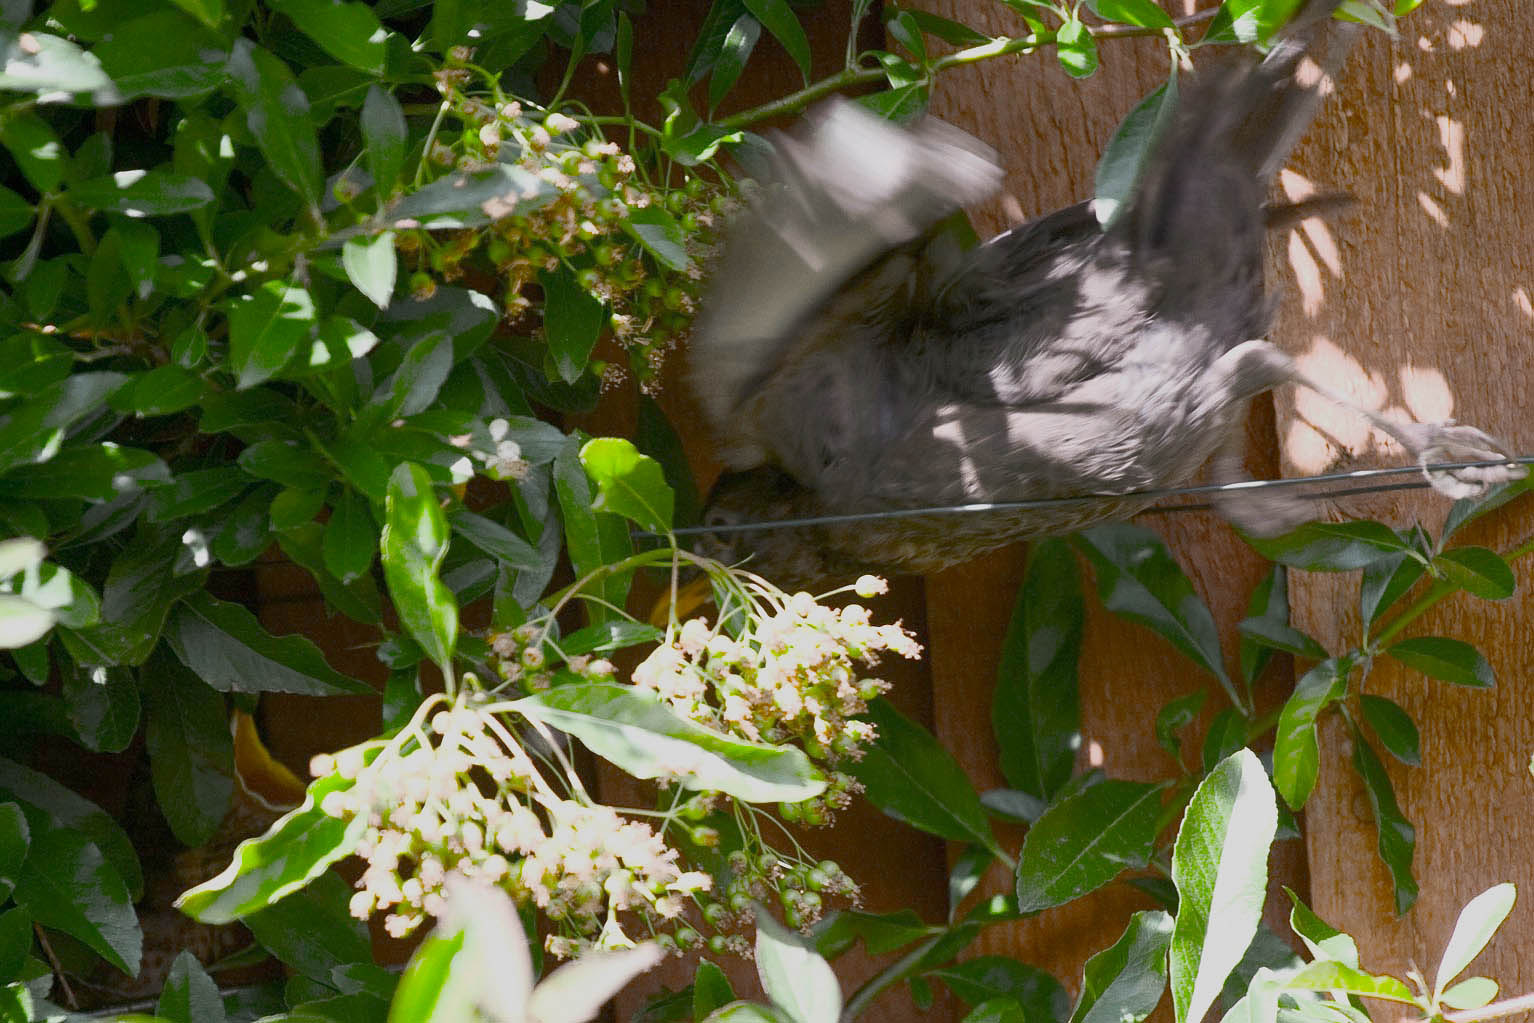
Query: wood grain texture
{"x": 1429, "y": 302}
{"x": 1050, "y": 130}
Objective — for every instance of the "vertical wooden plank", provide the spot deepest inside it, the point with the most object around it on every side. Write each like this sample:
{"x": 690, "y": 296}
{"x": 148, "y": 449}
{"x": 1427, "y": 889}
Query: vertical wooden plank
{"x": 1050, "y": 130}
{"x": 1427, "y": 311}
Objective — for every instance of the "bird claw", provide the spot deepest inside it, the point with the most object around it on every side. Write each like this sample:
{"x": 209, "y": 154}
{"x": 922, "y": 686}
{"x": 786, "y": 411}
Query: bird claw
{"x": 1264, "y": 513}
{"x": 1435, "y": 443}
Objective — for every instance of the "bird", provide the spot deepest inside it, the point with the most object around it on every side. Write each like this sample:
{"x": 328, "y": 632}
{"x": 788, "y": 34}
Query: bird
{"x": 851, "y": 357}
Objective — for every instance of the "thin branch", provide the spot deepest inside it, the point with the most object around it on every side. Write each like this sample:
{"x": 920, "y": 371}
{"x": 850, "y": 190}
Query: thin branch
{"x": 1496, "y": 1010}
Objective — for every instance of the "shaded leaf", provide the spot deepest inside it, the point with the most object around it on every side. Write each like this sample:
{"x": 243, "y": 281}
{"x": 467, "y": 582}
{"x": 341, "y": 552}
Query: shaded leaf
{"x": 1397, "y": 837}
{"x": 277, "y": 114}
{"x": 1393, "y": 727}
{"x": 231, "y": 651}
{"x": 1086, "y": 840}
{"x": 1123, "y": 159}
{"x": 1451, "y": 660}
{"x": 1480, "y": 571}
{"x": 191, "y": 751}
{"x": 1124, "y": 982}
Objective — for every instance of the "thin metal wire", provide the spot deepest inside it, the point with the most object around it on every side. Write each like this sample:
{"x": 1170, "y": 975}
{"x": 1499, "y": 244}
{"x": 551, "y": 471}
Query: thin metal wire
{"x": 1150, "y": 494}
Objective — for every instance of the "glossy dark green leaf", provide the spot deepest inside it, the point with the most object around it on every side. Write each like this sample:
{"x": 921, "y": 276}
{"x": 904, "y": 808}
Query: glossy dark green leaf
{"x": 1480, "y": 571}
{"x": 34, "y": 428}
{"x": 589, "y": 542}
{"x": 608, "y": 636}
{"x": 15, "y": 212}
{"x": 495, "y": 540}
{"x": 657, "y": 437}
{"x": 66, "y": 810}
{"x": 1394, "y": 728}
{"x": 295, "y": 507}
{"x": 232, "y": 652}
{"x": 244, "y": 533}
{"x": 780, "y": 20}
{"x": 948, "y": 30}
{"x": 645, "y": 738}
{"x": 1331, "y": 546}
{"x": 339, "y": 340}
{"x": 209, "y": 12}
{"x": 1450, "y": 660}
{"x": 1296, "y": 752}
{"x": 277, "y": 114}
{"x": 1086, "y": 840}
{"x": 1249, "y": 21}
{"x": 371, "y": 265}
{"x": 471, "y": 198}
{"x": 685, "y": 137}
{"x": 36, "y": 148}
{"x": 1467, "y": 510}
{"x": 1276, "y": 636}
{"x": 162, "y": 53}
{"x": 414, "y": 542}
{"x": 1124, "y": 982}
{"x": 1036, "y": 709}
{"x": 983, "y": 978}
{"x": 1397, "y": 837}
{"x": 311, "y": 931}
{"x": 1076, "y": 49}
{"x": 1138, "y": 579}
{"x": 911, "y": 777}
{"x": 413, "y": 387}
{"x": 66, "y": 884}
{"x": 141, "y": 586}
{"x": 628, "y": 483}
{"x": 143, "y": 193}
{"x": 711, "y": 990}
{"x": 88, "y": 472}
{"x": 293, "y": 851}
{"x": 360, "y": 599}
{"x": 266, "y": 329}
{"x": 349, "y": 32}
{"x": 15, "y": 941}
{"x": 733, "y": 53}
{"x": 15, "y": 838}
{"x": 384, "y": 133}
{"x": 1220, "y": 867}
{"x": 1385, "y": 582}
{"x": 1175, "y": 715}
{"x": 572, "y": 321}
{"x": 160, "y": 392}
{"x": 1118, "y": 170}
{"x": 103, "y": 705}
{"x": 900, "y": 105}
{"x": 1227, "y": 734}
{"x": 709, "y": 40}
{"x": 189, "y": 994}
{"x": 191, "y": 750}
{"x": 660, "y": 234}
{"x": 351, "y": 538}
{"x": 291, "y": 463}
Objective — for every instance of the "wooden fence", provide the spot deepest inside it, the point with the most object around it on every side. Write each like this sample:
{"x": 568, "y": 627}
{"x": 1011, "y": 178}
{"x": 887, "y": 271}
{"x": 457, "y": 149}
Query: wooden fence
{"x": 1418, "y": 301}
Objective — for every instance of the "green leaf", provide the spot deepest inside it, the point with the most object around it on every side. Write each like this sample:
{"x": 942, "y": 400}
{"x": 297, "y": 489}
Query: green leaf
{"x": 143, "y": 193}
{"x": 359, "y": 599}
{"x": 1138, "y": 579}
{"x": 1077, "y": 49}
{"x": 709, "y": 41}
{"x": 660, "y": 234}
{"x": 36, "y": 149}
{"x": 89, "y": 472}
{"x": 609, "y": 636}
{"x": 1480, "y": 571}
{"x": 590, "y": 541}
{"x": 1331, "y": 546}
{"x": 796, "y": 979}
{"x": 900, "y": 105}
{"x": 1248, "y": 21}
{"x": 414, "y": 542}
{"x": 1393, "y": 727}
{"x": 1175, "y": 715}
{"x": 1086, "y": 840}
{"x": 1123, "y": 159}
{"x": 1324, "y": 941}
{"x": 47, "y": 63}
{"x": 1036, "y": 709}
{"x": 1470, "y": 993}
{"x": 294, "y": 507}
{"x": 349, "y": 32}
{"x": 277, "y": 114}
{"x": 351, "y": 539}
{"x": 63, "y": 809}
{"x": 1296, "y": 753}
{"x": 1385, "y": 582}
{"x": 163, "y": 53}
{"x": 209, "y": 12}
{"x": 434, "y": 988}
{"x": 189, "y": 994}
{"x": 628, "y": 483}
{"x": 1468, "y": 510}
{"x": 34, "y": 429}
{"x": 1477, "y": 922}
{"x": 685, "y": 137}
{"x": 266, "y": 328}
{"x": 191, "y": 750}
{"x": 1329, "y": 976}
{"x": 1124, "y": 982}
{"x": 572, "y": 321}
{"x": 15, "y": 942}
{"x": 644, "y": 737}
{"x": 779, "y": 19}
{"x": 161, "y": 391}
{"x": 15, "y": 838}
{"x": 986, "y": 978}
{"x": 711, "y": 990}
{"x": 384, "y": 133}
{"x": 948, "y": 30}
{"x": 66, "y": 884}
{"x": 1220, "y": 867}
{"x": 103, "y": 705}
{"x": 230, "y": 650}
{"x": 1269, "y": 633}
{"x": 1450, "y": 660}
{"x": 1143, "y": 13}
{"x": 736, "y": 49}
{"x": 911, "y": 777}
{"x": 141, "y": 586}
{"x": 311, "y": 930}
{"x": 295, "y": 850}
{"x": 471, "y": 198}
{"x": 371, "y": 266}
{"x": 496, "y": 540}
{"x": 1397, "y": 837}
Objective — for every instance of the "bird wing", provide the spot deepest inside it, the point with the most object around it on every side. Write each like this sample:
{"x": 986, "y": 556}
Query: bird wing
{"x": 847, "y": 197}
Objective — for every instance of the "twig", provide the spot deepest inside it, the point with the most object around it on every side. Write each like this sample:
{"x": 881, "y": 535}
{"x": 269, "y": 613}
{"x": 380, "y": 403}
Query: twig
{"x": 1495, "y": 1010}
{"x": 58, "y": 969}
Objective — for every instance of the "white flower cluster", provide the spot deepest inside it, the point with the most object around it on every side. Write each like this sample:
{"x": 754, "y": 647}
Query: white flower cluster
{"x": 466, "y": 799}
{"x": 795, "y": 672}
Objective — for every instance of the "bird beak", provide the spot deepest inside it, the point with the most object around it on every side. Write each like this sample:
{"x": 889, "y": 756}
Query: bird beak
{"x": 694, "y": 594}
